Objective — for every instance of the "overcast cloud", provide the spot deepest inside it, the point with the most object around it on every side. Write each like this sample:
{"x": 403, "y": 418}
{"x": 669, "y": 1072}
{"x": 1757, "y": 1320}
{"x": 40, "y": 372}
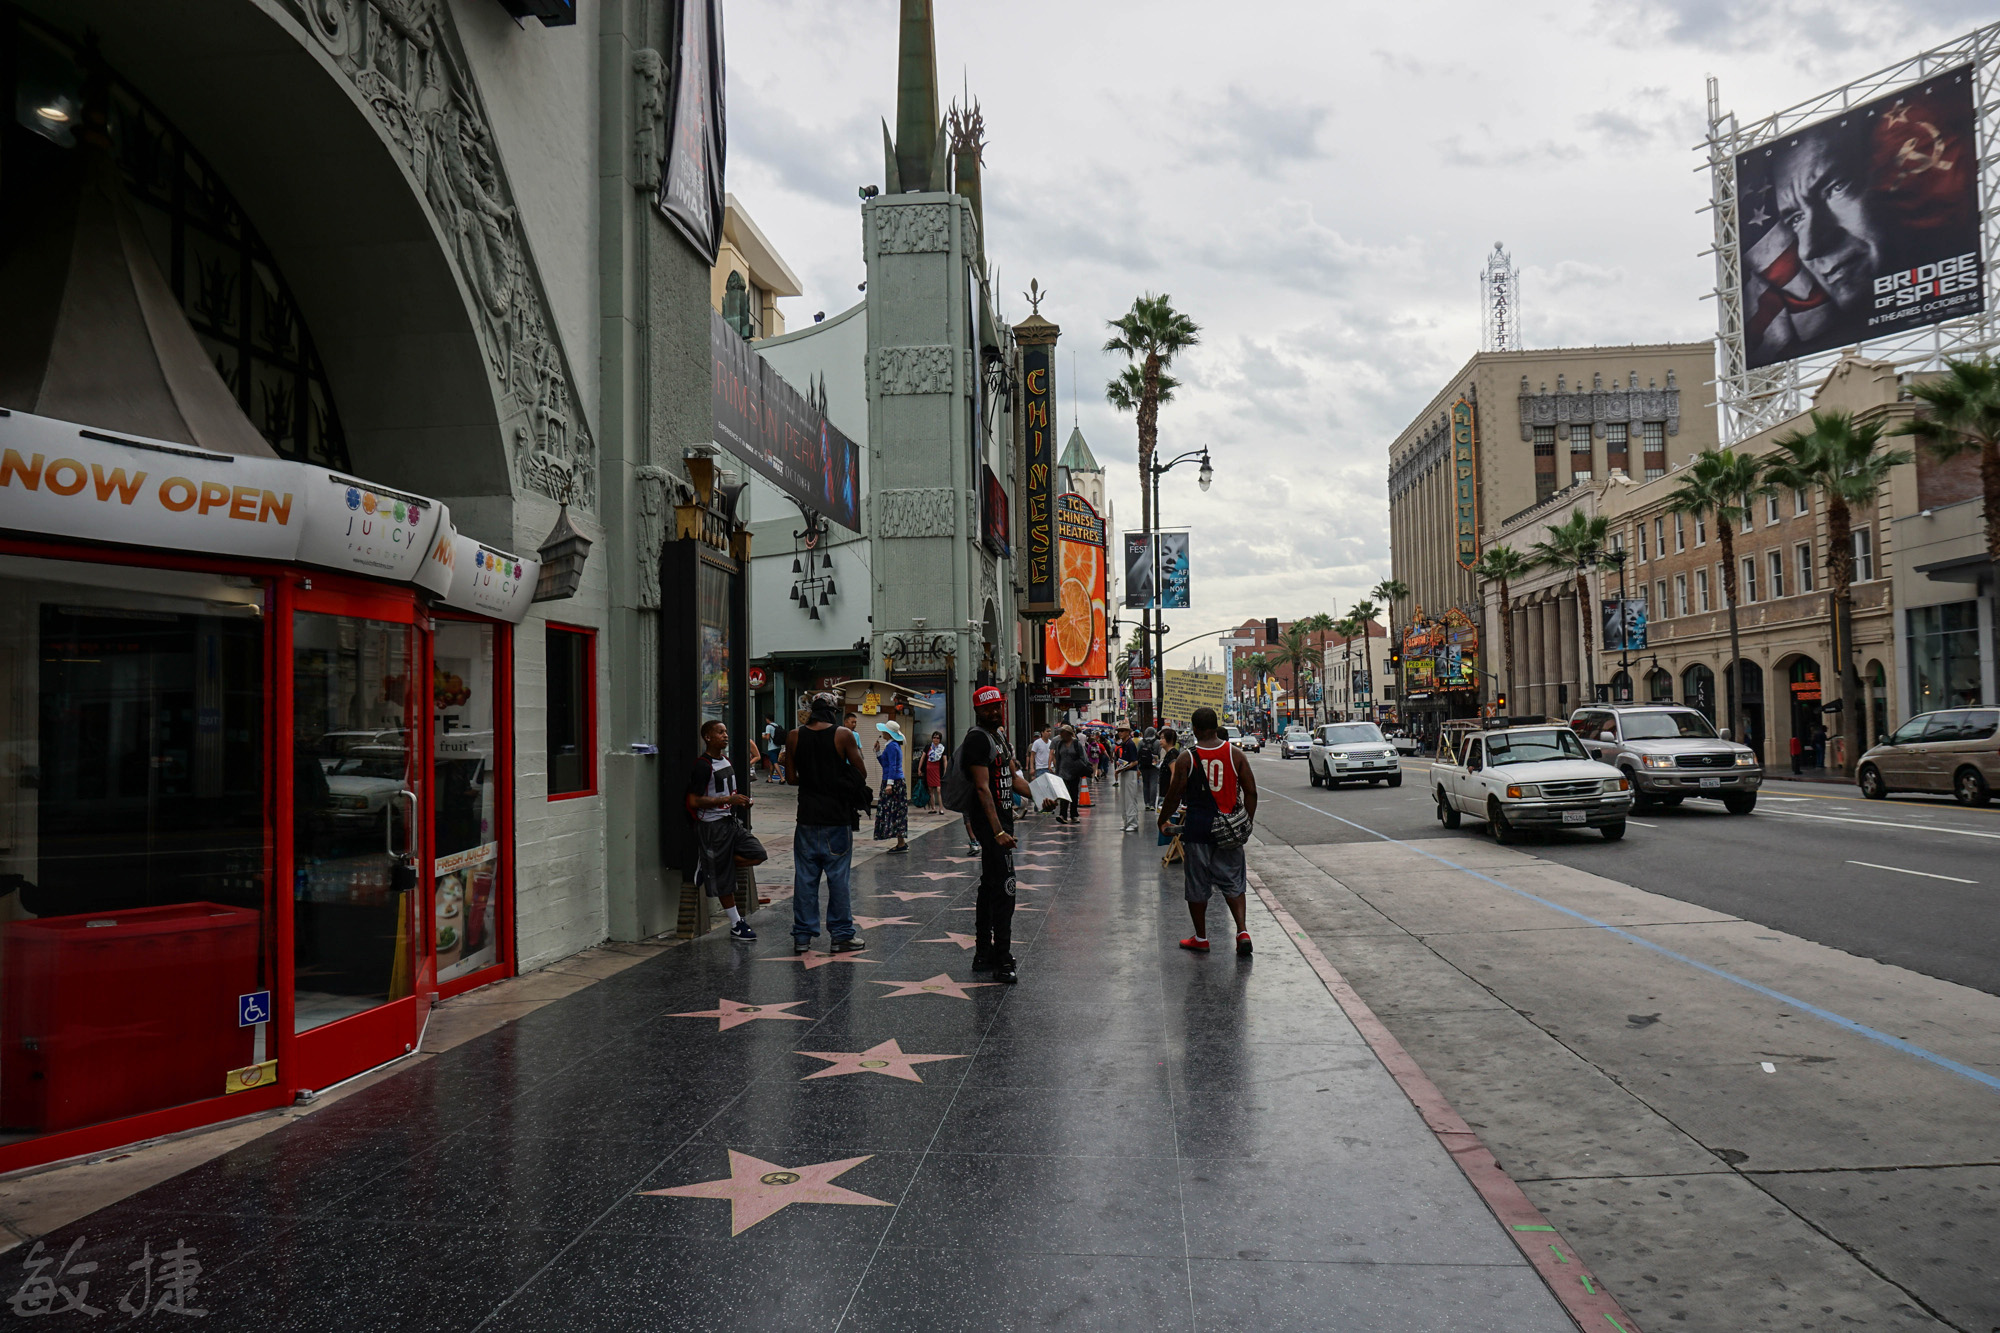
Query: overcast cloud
{"x": 1318, "y": 186}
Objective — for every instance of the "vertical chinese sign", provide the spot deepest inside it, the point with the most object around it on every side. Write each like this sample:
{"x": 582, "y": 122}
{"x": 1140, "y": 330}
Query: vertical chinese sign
{"x": 1037, "y": 339}
{"x": 1465, "y": 483}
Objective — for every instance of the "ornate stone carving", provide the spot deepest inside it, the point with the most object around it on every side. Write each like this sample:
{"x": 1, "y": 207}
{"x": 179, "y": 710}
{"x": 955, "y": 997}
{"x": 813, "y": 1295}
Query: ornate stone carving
{"x": 1597, "y": 405}
{"x": 913, "y": 370}
{"x": 649, "y": 144}
{"x": 658, "y": 491}
{"x": 404, "y": 60}
{"x": 912, "y": 229}
{"x": 930, "y": 511}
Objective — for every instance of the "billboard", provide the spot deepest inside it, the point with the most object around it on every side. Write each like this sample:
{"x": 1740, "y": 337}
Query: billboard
{"x": 1184, "y": 691}
{"x": 767, "y": 423}
{"x": 1138, "y": 571}
{"x": 691, "y": 190}
{"x": 1173, "y": 570}
{"x": 1862, "y": 225}
{"x": 1074, "y": 647}
{"x": 1624, "y": 624}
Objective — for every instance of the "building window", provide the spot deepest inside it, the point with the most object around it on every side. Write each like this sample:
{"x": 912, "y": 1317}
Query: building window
{"x": 1749, "y": 578}
{"x": 1681, "y": 594}
{"x": 1701, "y": 589}
{"x": 1545, "y": 441}
{"x": 572, "y": 687}
{"x": 1944, "y": 657}
{"x": 1665, "y": 607}
{"x": 1864, "y": 555}
{"x": 1700, "y": 528}
{"x": 1680, "y": 533}
{"x": 1645, "y": 603}
{"x": 1579, "y": 439}
{"x": 1640, "y": 534}
{"x": 1800, "y": 504}
{"x": 1545, "y": 486}
{"x": 1653, "y": 434}
{"x": 1655, "y": 473}
{"x": 1749, "y": 519}
{"x": 1771, "y": 508}
{"x": 1617, "y": 437}
{"x": 1805, "y": 567}
{"x": 1660, "y": 537}
{"x": 1776, "y": 561}
{"x": 1578, "y": 476}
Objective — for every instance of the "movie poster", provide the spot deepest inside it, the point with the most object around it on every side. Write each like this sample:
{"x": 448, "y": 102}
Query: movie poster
{"x": 1863, "y": 225}
{"x": 1173, "y": 570}
{"x": 1624, "y": 622}
{"x": 691, "y": 189}
{"x": 1075, "y": 646}
{"x": 1139, "y": 571}
{"x": 768, "y": 424}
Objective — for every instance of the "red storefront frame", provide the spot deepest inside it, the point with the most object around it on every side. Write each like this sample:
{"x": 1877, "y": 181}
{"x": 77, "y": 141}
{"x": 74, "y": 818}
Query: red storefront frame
{"x": 363, "y": 1033}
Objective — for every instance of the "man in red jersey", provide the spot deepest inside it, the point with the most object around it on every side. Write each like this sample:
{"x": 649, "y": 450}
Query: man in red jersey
{"x": 1215, "y": 778}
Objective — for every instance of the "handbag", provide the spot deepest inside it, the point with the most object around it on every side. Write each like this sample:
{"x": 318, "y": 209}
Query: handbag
{"x": 1227, "y": 830}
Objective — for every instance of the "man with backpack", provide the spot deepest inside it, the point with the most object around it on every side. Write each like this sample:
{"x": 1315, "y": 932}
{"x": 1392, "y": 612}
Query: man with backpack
{"x": 823, "y": 761}
{"x": 1221, "y": 797}
{"x": 978, "y": 786}
{"x": 1149, "y": 767}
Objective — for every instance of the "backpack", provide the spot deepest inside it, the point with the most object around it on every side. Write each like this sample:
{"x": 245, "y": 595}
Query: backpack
{"x": 959, "y": 794}
{"x": 1149, "y": 750}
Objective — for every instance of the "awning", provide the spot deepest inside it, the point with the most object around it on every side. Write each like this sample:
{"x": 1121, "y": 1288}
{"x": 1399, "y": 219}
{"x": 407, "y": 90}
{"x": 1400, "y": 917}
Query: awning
{"x": 59, "y": 479}
{"x": 1960, "y": 569}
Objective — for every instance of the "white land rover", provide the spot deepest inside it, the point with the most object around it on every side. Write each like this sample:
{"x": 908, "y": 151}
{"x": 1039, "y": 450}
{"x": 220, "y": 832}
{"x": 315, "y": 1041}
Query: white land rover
{"x": 1531, "y": 777}
{"x": 1351, "y": 752}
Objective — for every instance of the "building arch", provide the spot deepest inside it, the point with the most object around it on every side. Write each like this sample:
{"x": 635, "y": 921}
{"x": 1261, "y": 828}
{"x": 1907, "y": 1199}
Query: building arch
{"x": 1698, "y": 689}
{"x": 1659, "y": 686}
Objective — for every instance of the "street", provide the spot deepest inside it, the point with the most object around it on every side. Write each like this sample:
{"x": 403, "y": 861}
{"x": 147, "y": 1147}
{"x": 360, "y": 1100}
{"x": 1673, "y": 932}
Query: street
{"x": 1718, "y": 1038}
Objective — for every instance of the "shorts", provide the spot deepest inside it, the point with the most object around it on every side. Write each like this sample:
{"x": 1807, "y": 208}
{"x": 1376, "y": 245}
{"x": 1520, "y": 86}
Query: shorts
{"x": 723, "y": 842}
{"x": 1209, "y": 869}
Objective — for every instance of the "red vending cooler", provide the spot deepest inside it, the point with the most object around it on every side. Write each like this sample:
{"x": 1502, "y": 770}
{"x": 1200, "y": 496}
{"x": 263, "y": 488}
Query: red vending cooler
{"x": 116, "y": 1013}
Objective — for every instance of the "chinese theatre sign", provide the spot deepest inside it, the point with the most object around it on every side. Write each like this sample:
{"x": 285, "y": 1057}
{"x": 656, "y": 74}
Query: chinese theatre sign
{"x": 1075, "y": 646}
{"x": 1465, "y": 483}
{"x": 1037, "y": 339}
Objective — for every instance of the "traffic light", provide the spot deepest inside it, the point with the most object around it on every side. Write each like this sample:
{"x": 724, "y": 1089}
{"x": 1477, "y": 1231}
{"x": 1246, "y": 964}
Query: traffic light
{"x": 1500, "y": 702}
{"x": 1270, "y": 629}
{"x": 1395, "y": 660}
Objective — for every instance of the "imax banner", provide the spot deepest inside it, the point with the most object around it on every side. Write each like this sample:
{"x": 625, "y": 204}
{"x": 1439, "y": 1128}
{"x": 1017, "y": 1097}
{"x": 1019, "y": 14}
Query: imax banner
{"x": 1138, "y": 571}
{"x": 1862, "y": 225}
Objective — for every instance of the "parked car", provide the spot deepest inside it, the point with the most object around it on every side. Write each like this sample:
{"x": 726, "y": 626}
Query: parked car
{"x": 1670, "y": 753}
{"x": 1352, "y": 752}
{"x": 1533, "y": 777}
{"x": 1298, "y": 743}
{"x": 1953, "y": 749}
{"x": 1405, "y": 743}
{"x": 1245, "y": 740}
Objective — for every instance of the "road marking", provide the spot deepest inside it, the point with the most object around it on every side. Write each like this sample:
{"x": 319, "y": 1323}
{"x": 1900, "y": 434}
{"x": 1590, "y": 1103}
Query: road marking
{"x": 1767, "y": 1066}
{"x": 1890, "y": 800}
{"x": 1925, "y": 873}
{"x": 1887, "y": 823}
{"x": 1978, "y": 1076}
{"x": 1640, "y": 822}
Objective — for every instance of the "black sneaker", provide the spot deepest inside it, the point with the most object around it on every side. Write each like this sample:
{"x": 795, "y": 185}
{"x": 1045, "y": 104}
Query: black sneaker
{"x": 1004, "y": 973}
{"x": 800, "y": 946}
{"x": 1243, "y": 944}
{"x": 982, "y": 962}
{"x": 852, "y": 944}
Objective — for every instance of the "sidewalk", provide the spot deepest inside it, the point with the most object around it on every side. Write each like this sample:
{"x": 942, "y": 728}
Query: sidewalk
{"x": 718, "y": 1137}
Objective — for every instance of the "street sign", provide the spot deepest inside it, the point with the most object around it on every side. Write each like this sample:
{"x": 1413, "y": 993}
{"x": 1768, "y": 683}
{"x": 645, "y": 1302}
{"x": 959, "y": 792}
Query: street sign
{"x": 253, "y": 1008}
{"x": 1142, "y": 692}
{"x": 1141, "y": 673}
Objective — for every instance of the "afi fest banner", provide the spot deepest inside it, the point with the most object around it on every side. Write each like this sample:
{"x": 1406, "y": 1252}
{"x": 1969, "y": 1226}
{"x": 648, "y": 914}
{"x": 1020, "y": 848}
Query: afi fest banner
{"x": 1074, "y": 648}
{"x": 1862, "y": 225}
{"x": 1173, "y": 570}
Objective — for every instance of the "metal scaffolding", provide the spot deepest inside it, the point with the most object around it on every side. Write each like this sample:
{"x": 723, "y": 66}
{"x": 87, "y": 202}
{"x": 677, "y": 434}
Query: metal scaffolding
{"x": 1500, "y": 302}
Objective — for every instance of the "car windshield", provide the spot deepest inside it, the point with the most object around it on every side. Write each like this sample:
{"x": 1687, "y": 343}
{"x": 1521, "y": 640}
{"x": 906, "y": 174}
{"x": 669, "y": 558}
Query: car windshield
{"x": 1296, "y": 734}
{"x": 1666, "y": 726}
{"x": 369, "y": 766}
{"x": 1354, "y": 733}
{"x": 1533, "y": 747}
{"x": 1235, "y": 733}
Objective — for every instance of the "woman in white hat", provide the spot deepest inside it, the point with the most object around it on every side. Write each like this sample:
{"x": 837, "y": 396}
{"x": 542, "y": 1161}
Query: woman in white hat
{"x": 892, "y": 808}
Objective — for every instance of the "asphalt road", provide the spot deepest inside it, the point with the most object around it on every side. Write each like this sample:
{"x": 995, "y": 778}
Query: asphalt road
{"x": 1913, "y": 880}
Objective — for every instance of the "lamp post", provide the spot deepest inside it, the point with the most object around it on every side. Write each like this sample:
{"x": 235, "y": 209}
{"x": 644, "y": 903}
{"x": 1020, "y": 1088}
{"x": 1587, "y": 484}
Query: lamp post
{"x": 1617, "y": 557}
{"x": 1152, "y": 631}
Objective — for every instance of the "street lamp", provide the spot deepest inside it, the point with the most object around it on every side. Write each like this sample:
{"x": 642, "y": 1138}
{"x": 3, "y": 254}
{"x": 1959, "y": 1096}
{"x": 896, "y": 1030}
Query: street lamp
{"x": 1151, "y": 630}
{"x": 1617, "y": 557}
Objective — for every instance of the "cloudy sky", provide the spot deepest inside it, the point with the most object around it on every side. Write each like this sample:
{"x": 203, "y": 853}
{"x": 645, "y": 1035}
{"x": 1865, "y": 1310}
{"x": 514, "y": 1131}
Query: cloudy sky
{"x": 1317, "y": 185}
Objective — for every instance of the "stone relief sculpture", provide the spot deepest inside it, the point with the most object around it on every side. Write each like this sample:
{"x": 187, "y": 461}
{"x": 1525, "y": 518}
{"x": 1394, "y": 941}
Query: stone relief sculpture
{"x": 913, "y": 370}
{"x": 912, "y": 229}
{"x": 658, "y": 491}
{"x": 649, "y": 143}
{"x": 404, "y": 61}
{"x": 1597, "y": 405}
{"x": 917, "y": 512}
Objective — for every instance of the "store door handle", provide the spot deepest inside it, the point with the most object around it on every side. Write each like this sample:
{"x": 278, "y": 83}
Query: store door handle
{"x": 410, "y": 830}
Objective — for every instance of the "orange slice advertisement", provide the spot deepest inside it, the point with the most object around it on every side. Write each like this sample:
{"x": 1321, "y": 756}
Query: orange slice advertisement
{"x": 1075, "y": 646}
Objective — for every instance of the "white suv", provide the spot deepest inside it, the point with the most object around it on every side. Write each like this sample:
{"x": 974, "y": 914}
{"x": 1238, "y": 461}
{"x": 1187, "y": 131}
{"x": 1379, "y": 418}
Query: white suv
{"x": 1352, "y": 752}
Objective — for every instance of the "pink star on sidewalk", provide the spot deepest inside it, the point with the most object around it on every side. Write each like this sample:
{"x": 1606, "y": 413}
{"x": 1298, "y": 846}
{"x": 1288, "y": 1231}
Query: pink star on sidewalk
{"x": 937, "y": 985}
{"x": 870, "y": 922}
{"x": 756, "y": 1189}
{"x": 960, "y": 860}
{"x": 935, "y": 875}
{"x": 734, "y": 1014}
{"x": 883, "y": 1058}
{"x": 813, "y": 960}
{"x": 953, "y": 937}
{"x": 906, "y": 895}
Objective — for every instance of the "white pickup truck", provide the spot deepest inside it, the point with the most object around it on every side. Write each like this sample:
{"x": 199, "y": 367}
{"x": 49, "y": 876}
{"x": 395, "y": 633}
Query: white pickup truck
{"x": 1530, "y": 777}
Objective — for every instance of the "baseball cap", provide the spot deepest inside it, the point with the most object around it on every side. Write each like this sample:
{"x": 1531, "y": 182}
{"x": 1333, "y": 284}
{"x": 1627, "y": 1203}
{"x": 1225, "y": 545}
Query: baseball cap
{"x": 988, "y": 694}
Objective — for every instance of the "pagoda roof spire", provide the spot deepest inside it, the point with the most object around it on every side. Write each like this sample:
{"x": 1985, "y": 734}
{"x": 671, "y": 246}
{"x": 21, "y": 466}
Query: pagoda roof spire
{"x": 1076, "y": 455}
{"x": 919, "y": 123}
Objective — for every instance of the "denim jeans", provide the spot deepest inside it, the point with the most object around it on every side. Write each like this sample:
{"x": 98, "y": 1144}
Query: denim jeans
{"x": 821, "y": 849}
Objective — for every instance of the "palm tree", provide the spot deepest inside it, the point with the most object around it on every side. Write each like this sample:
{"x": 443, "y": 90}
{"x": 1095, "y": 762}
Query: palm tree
{"x": 1963, "y": 417}
{"x": 1848, "y": 463}
{"x": 1719, "y": 483}
{"x": 1502, "y": 565}
{"x": 1358, "y": 617}
{"x": 1575, "y": 545}
{"x": 1391, "y": 591}
{"x": 1319, "y": 622}
{"x": 1151, "y": 333}
{"x": 1295, "y": 650}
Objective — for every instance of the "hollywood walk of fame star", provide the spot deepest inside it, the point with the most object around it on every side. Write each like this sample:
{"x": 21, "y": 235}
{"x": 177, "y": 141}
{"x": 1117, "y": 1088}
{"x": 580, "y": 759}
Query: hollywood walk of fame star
{"x": 734, "y": 1014}
{"x": 906, "y": 895}
{"x": 937, "y": 985}
{"x": 953, "y": 937}
{"x": 813, "y": 960}
{"x": 870, "y": 922}
{"x": 756, "y": 1189}
{"x": 935, "y": 875}
{"x": 959, "y": 860}
{"x": 886, "y": 1057}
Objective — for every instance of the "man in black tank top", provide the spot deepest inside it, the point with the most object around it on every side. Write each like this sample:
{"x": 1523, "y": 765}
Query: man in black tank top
{"x": 823, "y": 839}
{"x": 995, "y": 777}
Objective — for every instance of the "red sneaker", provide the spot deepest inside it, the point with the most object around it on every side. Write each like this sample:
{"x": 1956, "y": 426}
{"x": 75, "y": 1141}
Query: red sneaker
{"x": 1195, "y": 943}
{"x": 1242, "y": 941}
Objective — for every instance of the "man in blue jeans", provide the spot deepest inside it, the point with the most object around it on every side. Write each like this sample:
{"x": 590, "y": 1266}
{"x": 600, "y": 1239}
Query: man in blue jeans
{"x": 816, "y": 757}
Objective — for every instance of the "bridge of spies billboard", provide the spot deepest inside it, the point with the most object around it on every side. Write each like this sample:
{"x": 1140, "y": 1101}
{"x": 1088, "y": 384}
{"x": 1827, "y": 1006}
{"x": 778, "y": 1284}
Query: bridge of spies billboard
{"x": 1864, "y": 224}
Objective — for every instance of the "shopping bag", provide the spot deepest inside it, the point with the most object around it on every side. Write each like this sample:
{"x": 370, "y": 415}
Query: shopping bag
{"x": 1048, "y": 787}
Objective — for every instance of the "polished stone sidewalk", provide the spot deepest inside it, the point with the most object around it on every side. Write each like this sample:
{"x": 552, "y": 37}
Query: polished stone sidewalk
{"x": 723, "y": 1137}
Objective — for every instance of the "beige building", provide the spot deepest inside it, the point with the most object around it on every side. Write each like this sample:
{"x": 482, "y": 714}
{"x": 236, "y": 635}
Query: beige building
{"x": 1349, "y": 695}
{"x": 1511, "y": 430}
{"x": 747, "y": 251}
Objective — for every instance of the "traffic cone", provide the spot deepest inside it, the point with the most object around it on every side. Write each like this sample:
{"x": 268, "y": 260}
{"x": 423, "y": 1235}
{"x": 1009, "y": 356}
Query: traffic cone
{"x": 1083, "y": 796}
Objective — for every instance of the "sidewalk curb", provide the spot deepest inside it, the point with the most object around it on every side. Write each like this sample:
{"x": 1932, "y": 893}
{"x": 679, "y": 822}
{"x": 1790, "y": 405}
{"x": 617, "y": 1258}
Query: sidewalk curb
{"x": 1582, "y": 1297}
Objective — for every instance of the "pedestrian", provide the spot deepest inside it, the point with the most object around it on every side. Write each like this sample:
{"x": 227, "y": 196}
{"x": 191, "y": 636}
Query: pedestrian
{"x": 723, "y": 846}
{"x": 1100, "y": 754}
{"x": 932, "y": 768}
{"x": 1072, "y": 765}
{"x": 1216, "y": 780}
{"x": 1170, "y": 748}
{"x": 1819, "y": 745}
{"x": 892, "y": 806}
{"x": 1149, "y": 767}
{"x": 1125, "y": 758}
{"x": 824, "y": 762}
{"x": 1798, "y": 756}
{"x": 771, "y": 745}
{"x": 1039, "y": 752}
{"x": 992, "y": 774}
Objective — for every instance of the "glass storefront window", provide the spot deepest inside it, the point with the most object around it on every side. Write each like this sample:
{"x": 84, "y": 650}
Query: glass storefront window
{"x": 133, "y": 839}
{"x": 1944, "y": 656}
{"x": 465, "y": 806}
{"x": 572, "y": 701}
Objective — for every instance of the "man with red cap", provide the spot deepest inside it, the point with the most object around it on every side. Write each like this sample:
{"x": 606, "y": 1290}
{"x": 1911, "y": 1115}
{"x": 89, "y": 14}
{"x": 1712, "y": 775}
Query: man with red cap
{"x": 986, "y": 764}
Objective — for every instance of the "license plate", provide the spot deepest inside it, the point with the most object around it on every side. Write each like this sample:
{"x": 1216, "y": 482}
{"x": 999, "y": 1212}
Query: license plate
{"x": 1576, "y": 817}
{"x": 1711, "y": 782}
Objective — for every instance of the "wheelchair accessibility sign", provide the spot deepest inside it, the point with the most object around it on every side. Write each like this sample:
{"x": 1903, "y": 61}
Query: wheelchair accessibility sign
{"x": 253, "y": 1008}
